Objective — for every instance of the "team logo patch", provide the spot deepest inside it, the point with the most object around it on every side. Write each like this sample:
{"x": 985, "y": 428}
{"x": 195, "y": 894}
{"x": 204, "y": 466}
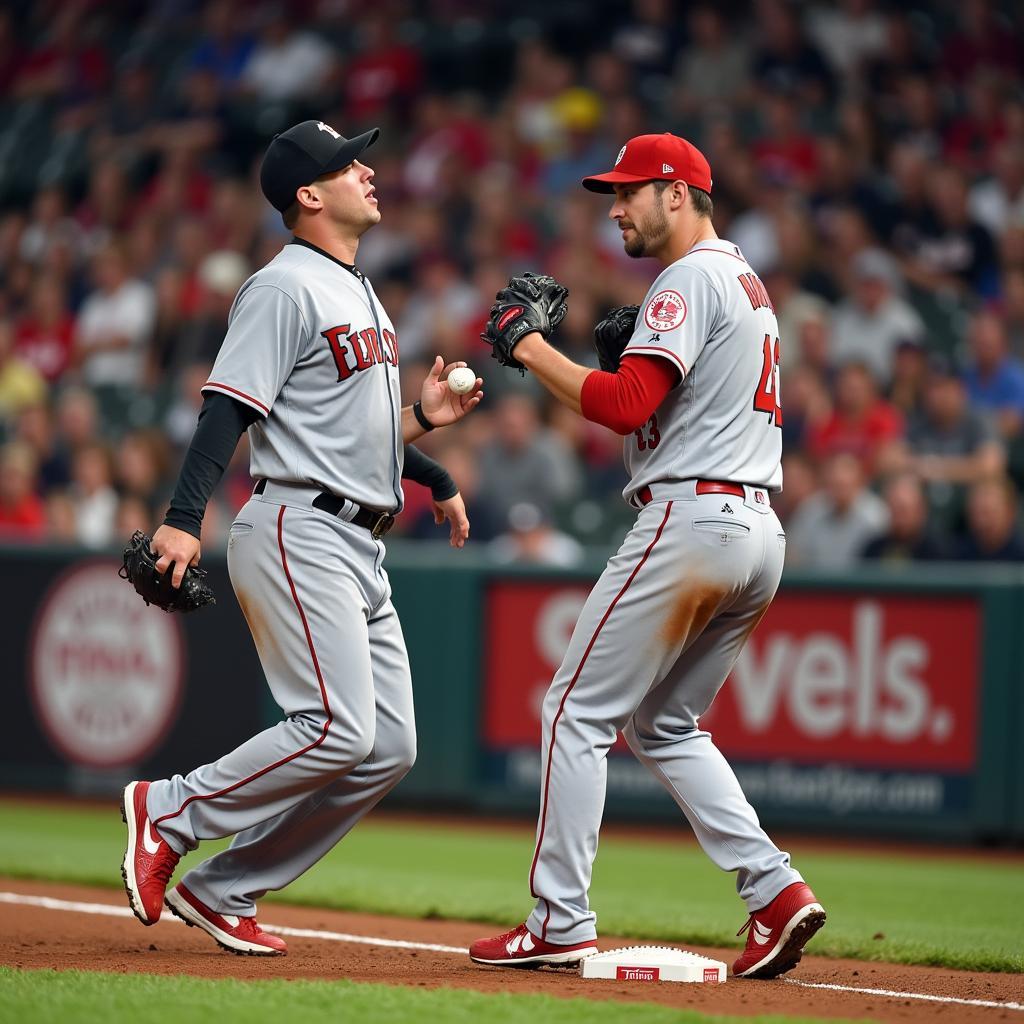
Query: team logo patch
{"x": 327, "y": 128}
{"x": 622, "y": 153}
{"x": 508, "y": 316}
{"x": 666, "y": 311}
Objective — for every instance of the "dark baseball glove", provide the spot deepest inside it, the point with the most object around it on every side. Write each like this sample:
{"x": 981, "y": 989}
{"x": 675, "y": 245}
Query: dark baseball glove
{"x": 140, "y": 570}
{"x": 527, "y": 303}
{"x": 612, "y": 335}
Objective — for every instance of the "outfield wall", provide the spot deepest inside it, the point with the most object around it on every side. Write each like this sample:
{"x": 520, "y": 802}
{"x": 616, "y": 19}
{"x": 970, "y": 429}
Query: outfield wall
{"x": 883, "y": 702}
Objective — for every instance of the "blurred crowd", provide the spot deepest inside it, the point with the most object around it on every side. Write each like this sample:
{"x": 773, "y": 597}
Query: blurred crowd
{"x": 868, "y": 159}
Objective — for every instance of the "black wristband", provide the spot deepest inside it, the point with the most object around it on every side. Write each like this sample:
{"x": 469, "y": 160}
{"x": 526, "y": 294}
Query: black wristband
{"x": 421, "y": 416}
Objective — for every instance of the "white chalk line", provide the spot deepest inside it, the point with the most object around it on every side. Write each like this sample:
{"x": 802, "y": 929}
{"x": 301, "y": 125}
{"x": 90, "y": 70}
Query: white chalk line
{"x": 107, "y": 910}
{"x": 889, "y": 993}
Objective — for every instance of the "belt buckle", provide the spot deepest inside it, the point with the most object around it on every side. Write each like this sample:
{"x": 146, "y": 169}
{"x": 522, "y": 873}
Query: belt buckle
{"x": 384, "y": 523}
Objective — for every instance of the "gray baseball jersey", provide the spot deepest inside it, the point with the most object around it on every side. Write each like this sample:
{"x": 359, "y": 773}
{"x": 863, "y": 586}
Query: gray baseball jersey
{"x": 672, "y": 610}
{"x": 709, "y": 315}
{"x": 311, "y": 348}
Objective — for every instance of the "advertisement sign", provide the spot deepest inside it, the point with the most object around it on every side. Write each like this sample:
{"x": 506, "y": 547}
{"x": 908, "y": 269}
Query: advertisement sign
{"x": 840, "y": 702}
{"x": 106, "y": 670}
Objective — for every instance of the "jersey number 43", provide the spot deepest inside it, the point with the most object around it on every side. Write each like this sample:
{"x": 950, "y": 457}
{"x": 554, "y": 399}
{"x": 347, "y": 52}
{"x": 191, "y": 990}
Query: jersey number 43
{"x": 766, "y": 397}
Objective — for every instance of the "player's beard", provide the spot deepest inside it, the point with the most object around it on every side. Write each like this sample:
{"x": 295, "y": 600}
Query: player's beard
{"x": 650, "y": 233}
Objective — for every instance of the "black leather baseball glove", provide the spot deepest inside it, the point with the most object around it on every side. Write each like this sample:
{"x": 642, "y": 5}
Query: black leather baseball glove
{"x": 527, "y": 303}
{"x": 140, "y": 570}
{"x": 612, "y": 335}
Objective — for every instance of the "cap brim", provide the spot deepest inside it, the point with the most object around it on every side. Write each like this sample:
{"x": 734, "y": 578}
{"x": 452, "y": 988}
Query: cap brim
{"x": 604, "y": 183}
{"x": 349, "y": 150}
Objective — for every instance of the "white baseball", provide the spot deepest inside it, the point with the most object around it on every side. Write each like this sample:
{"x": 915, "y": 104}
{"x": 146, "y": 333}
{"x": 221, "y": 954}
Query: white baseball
{"x": 461, "y": 380}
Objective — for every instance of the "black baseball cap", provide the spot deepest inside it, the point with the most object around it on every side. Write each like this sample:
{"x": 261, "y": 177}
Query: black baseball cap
{"x": 302, "y": 154}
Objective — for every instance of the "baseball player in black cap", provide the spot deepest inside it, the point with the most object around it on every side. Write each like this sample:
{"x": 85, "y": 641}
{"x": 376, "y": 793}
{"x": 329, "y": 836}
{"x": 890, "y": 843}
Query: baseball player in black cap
{"x": 310, "y": 367}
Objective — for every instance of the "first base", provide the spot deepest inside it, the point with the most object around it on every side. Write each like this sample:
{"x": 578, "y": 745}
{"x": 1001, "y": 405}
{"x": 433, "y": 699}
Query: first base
{"x": 652, "y": 963}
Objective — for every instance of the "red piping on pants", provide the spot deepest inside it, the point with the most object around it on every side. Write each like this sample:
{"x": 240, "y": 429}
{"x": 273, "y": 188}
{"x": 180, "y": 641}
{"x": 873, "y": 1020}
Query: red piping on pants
{"x": 561, "y": 707}
{"x": 320, "y": 680}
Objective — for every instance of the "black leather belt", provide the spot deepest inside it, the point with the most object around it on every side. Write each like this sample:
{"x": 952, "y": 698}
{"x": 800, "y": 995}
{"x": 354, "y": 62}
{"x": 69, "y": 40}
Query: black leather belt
{"x": 378, "y": 523}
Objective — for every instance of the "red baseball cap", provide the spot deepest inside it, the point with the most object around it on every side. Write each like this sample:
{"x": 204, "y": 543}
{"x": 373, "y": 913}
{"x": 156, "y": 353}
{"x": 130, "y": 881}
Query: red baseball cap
{"x": 655, "y": 158}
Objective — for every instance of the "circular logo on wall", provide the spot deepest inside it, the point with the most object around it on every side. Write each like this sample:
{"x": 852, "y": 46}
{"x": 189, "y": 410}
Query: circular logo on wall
{"x": 667, "y": 310}
{"x": 106, "y": 669}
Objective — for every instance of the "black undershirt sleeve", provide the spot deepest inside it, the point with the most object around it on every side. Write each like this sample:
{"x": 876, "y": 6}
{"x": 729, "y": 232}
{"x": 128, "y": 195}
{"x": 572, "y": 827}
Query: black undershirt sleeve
{"x": 222, "y": 421}
{"x": 422, "y": 469}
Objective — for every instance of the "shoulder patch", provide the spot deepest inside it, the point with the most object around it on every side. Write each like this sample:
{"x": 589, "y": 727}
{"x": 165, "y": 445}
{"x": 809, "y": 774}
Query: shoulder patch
{"x": 666, "y": 311}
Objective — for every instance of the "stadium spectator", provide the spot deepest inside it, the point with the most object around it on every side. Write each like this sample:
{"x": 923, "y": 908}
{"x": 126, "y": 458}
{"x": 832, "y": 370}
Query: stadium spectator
{"x": 387, "y": 73}
{"x": 22, "y": 513}
{"x": 785, "y": 60}
{"x": 829, "y": 529}
{"x": 951, "y": 252}
{"x": 113, "y": 331}
{"x": 486, "y": 521}
{"x": 50, "y": 224}
{"x": 808, "y": 405}
{"x": 93, "y": 495}
{"x": 801, "y": 479}
{"x": 997, "y": 202}
{"x": 993, "y": 533}
{"x": 909, "y": 537}
{"x": 224, "y": 47}
{"x": 36, "y": 428}
{"x": 874, "y": 319}
{"x": 21, "y": 385}
{"x": 850, "y": 35}
{"x": 995, "y": 380}
{"x": 713, "y": 71}
{"x": 141, "y": 465}
{"x": 45, "y": 333}
{"x": 287, "y": 63}
{"x": 78, "y": 419}
{"x": 133, "y": 514}
{"x": 949, "y": 446}
{"x": 524, "y": 460}
{"x": 531, "y": 539}
{"x": 862, "y": 422}
{"x": 909, "y": 373}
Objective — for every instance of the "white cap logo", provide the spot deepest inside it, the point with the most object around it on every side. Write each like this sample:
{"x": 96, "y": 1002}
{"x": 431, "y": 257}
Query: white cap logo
{"x": 667, "y": 169}
{"x": 327, "y": 128}
{"x": 622, "y": 153}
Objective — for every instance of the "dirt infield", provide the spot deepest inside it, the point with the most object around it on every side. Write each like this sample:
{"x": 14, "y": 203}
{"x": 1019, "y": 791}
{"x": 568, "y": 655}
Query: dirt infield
{"x": 36, "y": 938}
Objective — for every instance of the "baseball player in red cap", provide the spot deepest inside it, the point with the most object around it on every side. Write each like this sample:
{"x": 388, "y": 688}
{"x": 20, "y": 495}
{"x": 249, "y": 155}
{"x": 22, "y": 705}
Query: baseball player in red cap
{"x": 690, "y": 380}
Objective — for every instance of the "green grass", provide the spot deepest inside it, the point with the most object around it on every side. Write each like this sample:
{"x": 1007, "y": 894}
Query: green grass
{"x": 944, "y": 911}
{"x": 81, "y": 997}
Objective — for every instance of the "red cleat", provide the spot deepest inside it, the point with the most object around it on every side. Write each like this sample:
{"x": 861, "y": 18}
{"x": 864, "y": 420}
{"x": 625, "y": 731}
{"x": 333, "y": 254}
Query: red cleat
{"x": 241, "y": 935}
{"x": 776, "y": 935}
{"x": 521, "y": 948}
{"x": 149, "y": 861}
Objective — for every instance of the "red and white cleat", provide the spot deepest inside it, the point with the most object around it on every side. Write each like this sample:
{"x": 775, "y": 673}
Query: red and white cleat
{"x": 149, "y": 861}
{"x": 521, "y": 948}
{"x": 237, "y": 934}
{"x": 776, "y": 935}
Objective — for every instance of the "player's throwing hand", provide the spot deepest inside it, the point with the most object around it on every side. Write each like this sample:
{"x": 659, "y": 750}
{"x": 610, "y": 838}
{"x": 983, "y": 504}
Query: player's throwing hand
{"x": 440, "y": 404}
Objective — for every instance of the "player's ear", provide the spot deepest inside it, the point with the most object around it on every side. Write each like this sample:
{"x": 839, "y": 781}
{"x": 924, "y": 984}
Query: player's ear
{"x": 308, "y": 197}
{"x": 677, "y": 195}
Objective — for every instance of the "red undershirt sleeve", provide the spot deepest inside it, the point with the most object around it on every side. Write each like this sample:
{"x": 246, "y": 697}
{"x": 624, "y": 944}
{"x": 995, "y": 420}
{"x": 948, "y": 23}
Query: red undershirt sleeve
{"x": 626, "y": 400}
